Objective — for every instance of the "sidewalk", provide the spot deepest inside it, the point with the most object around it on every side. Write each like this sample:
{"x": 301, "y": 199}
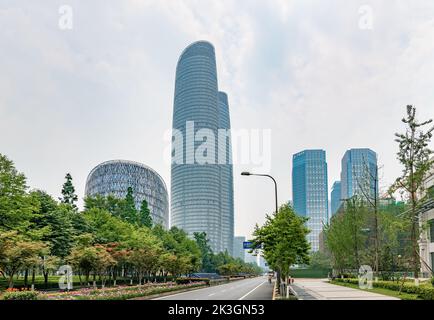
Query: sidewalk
{"x": 320, "y": 289}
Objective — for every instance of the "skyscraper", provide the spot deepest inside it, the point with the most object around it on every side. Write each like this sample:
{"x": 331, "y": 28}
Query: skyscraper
{"x": 202, "y": 184}
{"x": 359, "y": 170}
{"x": 310, "y": 191}
{"x": 335, "y": 197}
{"x": 239, "y": 251}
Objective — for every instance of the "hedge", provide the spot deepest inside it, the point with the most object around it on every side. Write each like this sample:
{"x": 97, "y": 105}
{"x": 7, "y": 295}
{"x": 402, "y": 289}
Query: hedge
{"x": 191, "y": 280}
{"x": 423, "y": 291}
{"x": 21, "y": 295}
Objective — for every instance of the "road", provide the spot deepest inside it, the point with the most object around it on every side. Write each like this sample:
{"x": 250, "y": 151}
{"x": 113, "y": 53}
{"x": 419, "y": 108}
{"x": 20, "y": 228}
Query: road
{"x": 249, "y": 289}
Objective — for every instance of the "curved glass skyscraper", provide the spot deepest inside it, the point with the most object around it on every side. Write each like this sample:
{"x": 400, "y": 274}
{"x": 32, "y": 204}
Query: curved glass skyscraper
{"x": 115, "y": 177}
{"x": 201, "y": 191}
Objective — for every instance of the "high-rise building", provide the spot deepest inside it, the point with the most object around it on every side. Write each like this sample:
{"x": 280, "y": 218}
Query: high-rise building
{"x": 202, "y": 177}
{"x": 115, "y": 177}
{"x": 359, "y": 170}
{"x": 335, "y": 197}
{"x": 310, "y": 191}
{"x": 239, "y": 251}
{"x": 226, "y": 175}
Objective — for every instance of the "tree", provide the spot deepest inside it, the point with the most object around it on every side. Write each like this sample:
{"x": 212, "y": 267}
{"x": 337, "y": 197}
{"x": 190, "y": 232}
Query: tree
{"x": 56, "y": 220}
{"x": 68, "y": 192}
{"x": 129, "y": 211}
{"x": 283, "y": 240}
{"x": 49, "y": 264}
{"x": 16, "y": 207}
{"x": 206, "y": 252}
{"x": 414, "y": 155}
{"x": 18, "y": 254}
{"x": 145, "y": 218}
{"x": 319, "y": 260}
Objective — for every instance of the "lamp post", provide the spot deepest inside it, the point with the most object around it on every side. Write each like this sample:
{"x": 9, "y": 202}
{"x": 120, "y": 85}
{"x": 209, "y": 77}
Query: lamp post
{"x": 265, "y": 175}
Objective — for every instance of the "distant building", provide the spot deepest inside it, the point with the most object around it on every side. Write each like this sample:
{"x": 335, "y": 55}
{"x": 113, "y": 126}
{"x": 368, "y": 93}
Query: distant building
{"x": 335, "y": 197}
{"x": 359, "y": 170}
{"x": 250, "y": 258}
{"x": 310, "y": 191}
{"x": 239, "y": 251}
{"x": 115, "y": 177}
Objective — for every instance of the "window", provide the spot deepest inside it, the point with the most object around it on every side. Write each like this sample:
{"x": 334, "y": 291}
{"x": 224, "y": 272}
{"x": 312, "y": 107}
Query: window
{"x": 431, "y": 230}
{"x": 432, "y": 260}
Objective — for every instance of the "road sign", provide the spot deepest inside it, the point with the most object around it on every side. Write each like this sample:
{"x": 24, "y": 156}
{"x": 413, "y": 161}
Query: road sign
{"x": 249, "y": 245}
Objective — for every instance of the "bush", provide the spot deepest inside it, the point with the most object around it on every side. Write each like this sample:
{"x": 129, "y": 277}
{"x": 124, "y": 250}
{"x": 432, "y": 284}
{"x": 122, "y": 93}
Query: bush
{"x": 191, "y": 280}
{"x": 432, "y": 281}
{"x": 21, "y": 295}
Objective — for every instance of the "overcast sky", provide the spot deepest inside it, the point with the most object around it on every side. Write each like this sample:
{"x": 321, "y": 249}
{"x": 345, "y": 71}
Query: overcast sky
{"x": 319, "y": 74}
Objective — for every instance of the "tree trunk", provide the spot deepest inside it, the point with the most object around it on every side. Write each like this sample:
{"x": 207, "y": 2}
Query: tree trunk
{"x": 33, "y": 278}
{"x": 26, "y": 278}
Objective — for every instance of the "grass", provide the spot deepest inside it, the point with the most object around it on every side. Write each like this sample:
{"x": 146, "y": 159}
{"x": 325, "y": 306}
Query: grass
{"x": 386, "y": 292}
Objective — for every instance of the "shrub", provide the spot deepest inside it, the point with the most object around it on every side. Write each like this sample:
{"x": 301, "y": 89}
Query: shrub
{"x": 432, "y": 281}
{"x": 21, "y": 295}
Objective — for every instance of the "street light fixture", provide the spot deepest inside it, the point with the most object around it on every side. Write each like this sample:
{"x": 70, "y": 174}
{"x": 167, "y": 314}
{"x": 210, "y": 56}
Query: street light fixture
{"x": 246, "y": 173}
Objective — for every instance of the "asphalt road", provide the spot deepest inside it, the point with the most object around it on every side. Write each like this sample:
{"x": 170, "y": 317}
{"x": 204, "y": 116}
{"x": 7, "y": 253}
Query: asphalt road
{"x": 249, "y": 289}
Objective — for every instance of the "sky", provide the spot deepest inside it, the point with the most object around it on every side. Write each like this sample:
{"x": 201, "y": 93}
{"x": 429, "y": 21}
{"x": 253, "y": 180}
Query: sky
{"x": 94, "y": 81}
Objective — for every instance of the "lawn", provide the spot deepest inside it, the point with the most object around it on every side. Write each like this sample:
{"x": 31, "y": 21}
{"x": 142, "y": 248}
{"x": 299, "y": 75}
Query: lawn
{"x": 386, "y": 292}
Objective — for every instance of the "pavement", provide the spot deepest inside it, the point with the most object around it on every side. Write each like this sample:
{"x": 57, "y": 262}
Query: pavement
{"x": 248, "y": 289}
{"x": 320, "y": 289}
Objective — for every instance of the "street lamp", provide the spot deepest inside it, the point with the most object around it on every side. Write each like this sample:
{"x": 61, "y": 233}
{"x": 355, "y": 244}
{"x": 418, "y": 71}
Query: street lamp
{"x": 246, "y": 173}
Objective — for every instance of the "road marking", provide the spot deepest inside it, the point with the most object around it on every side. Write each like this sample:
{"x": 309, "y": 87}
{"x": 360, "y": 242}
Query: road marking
{"x": 212, "y": 294}
{"x": 251, "y": 291}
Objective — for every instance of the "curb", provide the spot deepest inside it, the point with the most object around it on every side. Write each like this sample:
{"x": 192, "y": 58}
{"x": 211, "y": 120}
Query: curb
{"x": 274, "y": 291}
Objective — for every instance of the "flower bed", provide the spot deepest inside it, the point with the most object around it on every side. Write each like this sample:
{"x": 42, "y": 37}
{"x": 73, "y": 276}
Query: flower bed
{"x": 119, "y": 293}
{"x": 424, "y": 291}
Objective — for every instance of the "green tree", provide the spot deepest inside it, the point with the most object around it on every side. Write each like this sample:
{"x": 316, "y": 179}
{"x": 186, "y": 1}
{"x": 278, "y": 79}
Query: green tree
{"x": 16, "y": 207}
{"x": 283, "y": 240}
{"x": 56, "y": 220}
{"x": 68, "y": 192}
{"x": 206, "y": 252}
{"x": 145, "y": 218}
{"x": 18, "y": 254}
{"x": 129, "y": 212}
{"x": 414, "y": 155}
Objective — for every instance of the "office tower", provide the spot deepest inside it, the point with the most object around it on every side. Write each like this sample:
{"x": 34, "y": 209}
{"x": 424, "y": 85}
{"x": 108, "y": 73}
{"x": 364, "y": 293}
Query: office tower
{"x": 226, "y": 174}
{"x": 359, "y": 170}
{"x": 310, "y": 191}
{"x": 202, "y": 184}
{"x": 335, "y": 197}
{"x": 239, "y": 251}
{"x": 115, "y": 177}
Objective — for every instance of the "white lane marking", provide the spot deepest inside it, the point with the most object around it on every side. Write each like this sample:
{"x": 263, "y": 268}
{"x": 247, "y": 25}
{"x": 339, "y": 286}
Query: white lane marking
{"x": 251, "y": 291}
{"x": 212, "y": 294}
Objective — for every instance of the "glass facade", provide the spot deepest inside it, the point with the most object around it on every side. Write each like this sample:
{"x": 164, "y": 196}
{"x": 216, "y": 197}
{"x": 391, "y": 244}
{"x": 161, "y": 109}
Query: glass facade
{"x": 201, "y": 194}
{"x": 335, "y": 197}
{"x": 115, "y": 177}
{"x": 359, "y": 169}
{"x": 310, "y": 191}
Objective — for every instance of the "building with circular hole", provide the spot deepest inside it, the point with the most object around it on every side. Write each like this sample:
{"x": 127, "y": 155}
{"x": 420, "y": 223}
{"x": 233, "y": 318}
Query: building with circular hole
{"x": 115, "y": 177}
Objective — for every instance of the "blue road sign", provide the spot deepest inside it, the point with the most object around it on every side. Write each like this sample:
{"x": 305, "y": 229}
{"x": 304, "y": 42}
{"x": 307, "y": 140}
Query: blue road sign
{"x": 249, "y": 245}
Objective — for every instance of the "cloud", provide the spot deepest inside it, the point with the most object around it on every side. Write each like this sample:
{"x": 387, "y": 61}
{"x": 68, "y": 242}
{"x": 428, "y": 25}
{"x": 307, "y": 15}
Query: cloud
{"x": 104, "y": 90}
